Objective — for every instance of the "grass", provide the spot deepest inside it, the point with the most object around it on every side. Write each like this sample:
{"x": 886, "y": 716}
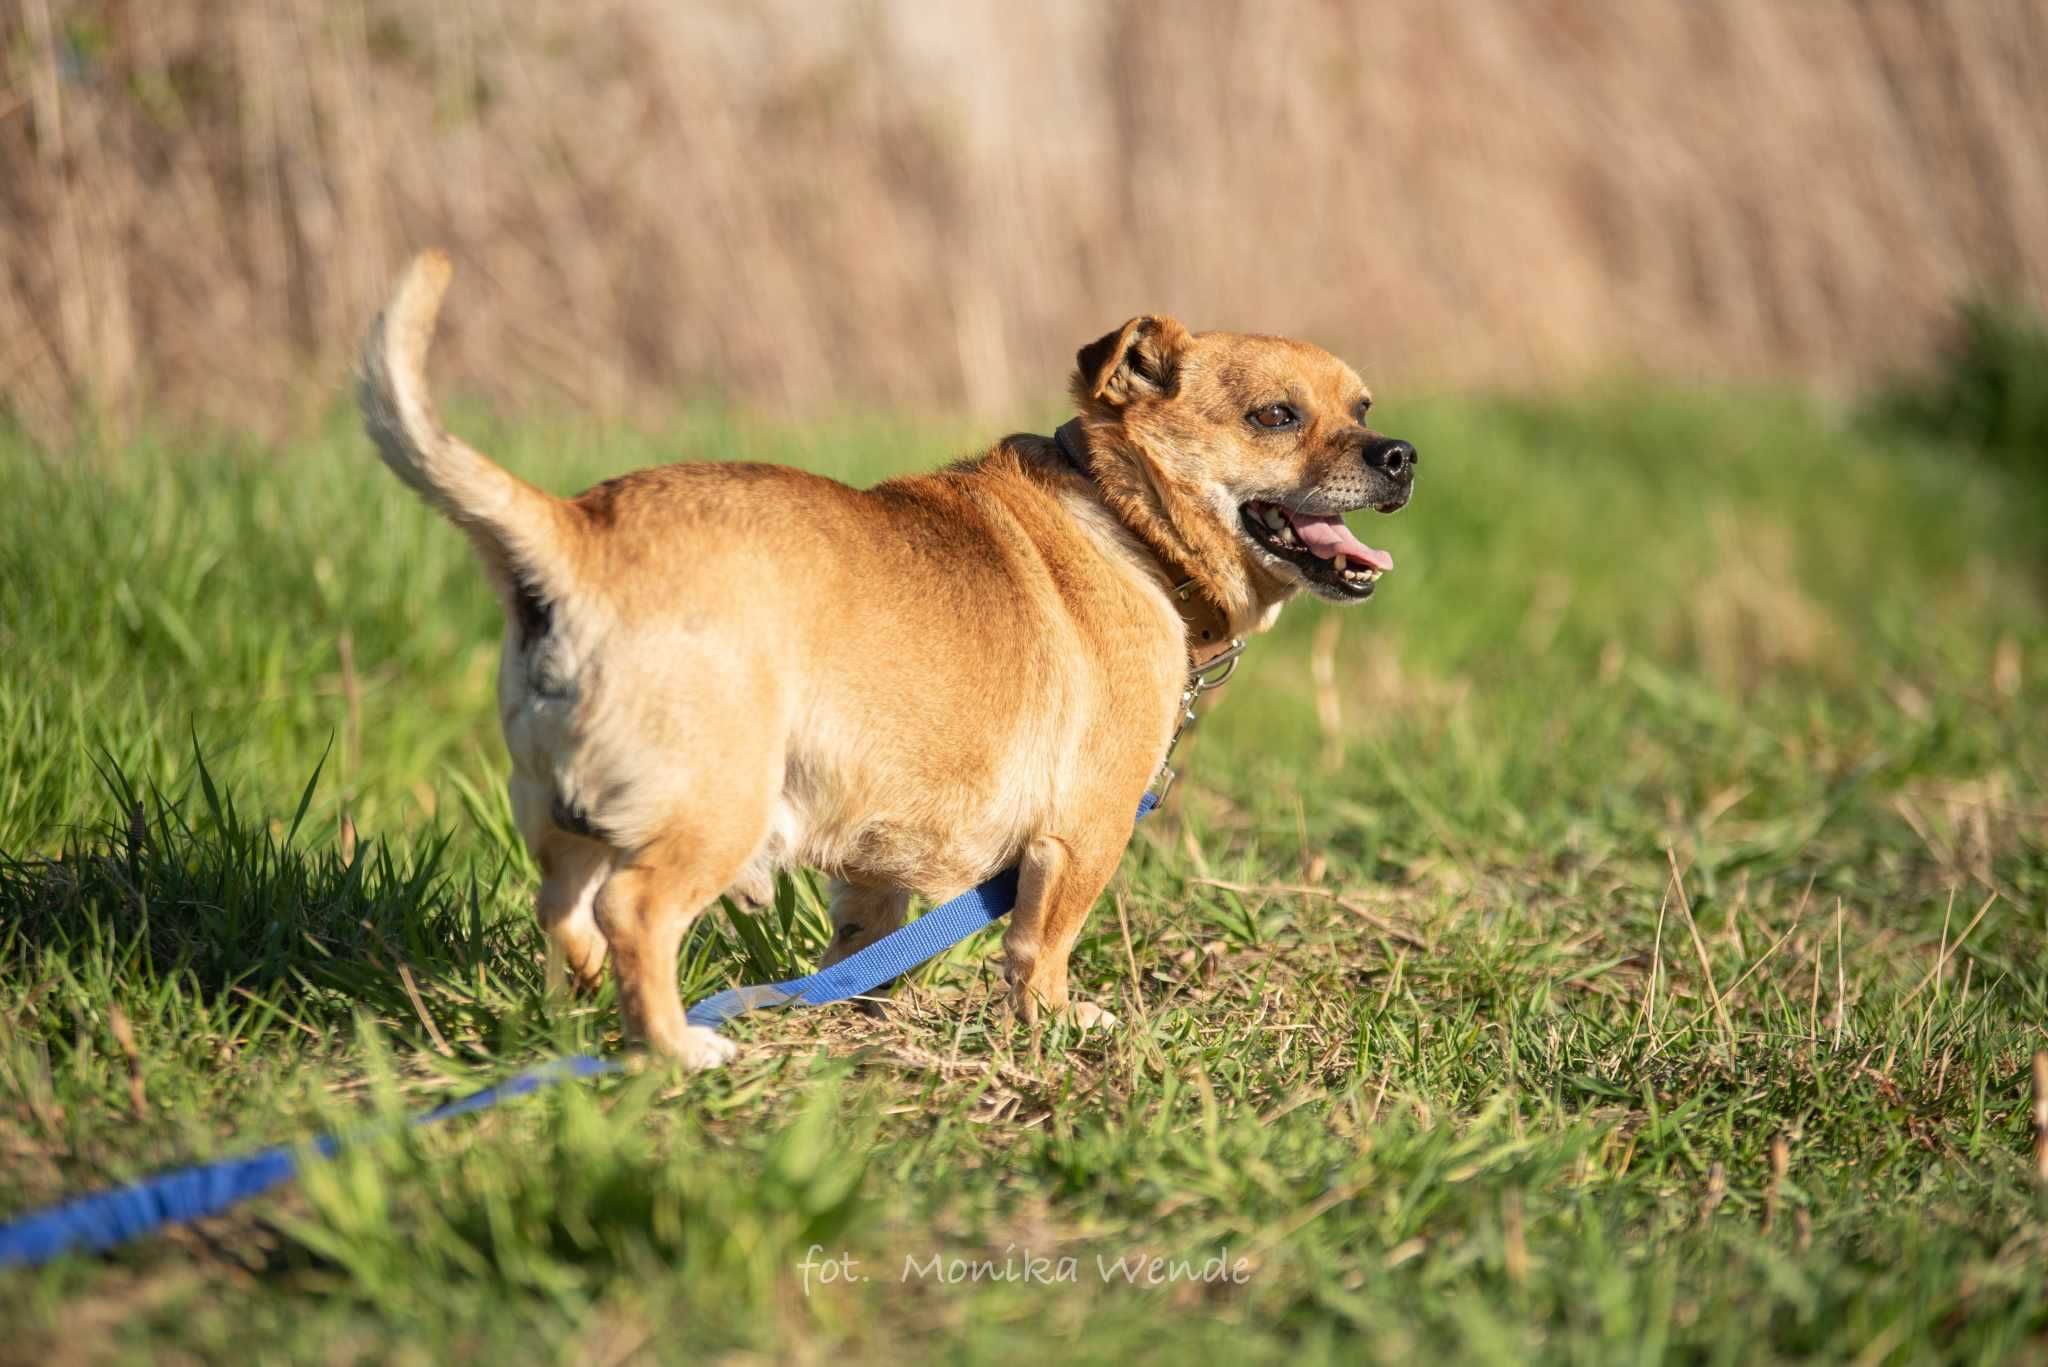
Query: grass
{"x": 1425, "y": 1044}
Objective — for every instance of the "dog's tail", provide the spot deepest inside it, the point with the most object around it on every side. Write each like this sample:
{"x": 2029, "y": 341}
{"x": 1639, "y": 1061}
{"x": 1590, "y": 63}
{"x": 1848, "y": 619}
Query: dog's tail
{"x": 523, "y": 533}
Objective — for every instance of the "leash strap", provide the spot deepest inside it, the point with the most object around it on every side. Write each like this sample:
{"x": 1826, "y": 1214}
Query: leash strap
{"x": 895, "y": 954}
{"x": 101, "y": 1220}
{"x": 890, "y": 957}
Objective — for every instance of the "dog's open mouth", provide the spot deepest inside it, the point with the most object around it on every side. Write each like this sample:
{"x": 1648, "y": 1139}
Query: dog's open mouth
{"x": 1319, "y": 545}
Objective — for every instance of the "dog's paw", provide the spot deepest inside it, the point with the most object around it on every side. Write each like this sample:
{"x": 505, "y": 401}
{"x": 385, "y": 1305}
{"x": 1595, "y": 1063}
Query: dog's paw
{"x": 1089, "y": 1016}
{"x": 573, "y": 983}
{"x": 575, "y": 962}
{"x": 695, "y": 1048}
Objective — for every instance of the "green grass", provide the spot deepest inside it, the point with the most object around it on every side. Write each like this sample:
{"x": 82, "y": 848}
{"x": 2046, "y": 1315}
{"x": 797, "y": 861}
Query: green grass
{"x": 1492, "y": 1088}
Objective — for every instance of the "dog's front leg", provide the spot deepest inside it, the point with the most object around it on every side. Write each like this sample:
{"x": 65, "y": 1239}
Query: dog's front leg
{"x": 1057, "y": 884}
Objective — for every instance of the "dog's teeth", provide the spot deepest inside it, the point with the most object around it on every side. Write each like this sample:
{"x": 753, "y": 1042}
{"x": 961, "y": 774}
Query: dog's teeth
{"x": 1341, "y": 563}
{"x": 1274, "y": 518}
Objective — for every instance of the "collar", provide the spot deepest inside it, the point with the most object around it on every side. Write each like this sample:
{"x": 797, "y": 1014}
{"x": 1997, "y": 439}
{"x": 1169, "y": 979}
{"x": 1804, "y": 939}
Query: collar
{"x": 1067, "y": 438}
{"x": 1208, "y": 627}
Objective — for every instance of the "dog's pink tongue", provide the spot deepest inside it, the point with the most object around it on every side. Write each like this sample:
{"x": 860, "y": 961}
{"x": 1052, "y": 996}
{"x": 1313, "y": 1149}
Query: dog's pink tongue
{"x": 1329, "y": 538}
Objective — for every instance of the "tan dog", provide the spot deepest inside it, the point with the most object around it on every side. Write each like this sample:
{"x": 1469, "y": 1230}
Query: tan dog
{"x": 714, "y": 671}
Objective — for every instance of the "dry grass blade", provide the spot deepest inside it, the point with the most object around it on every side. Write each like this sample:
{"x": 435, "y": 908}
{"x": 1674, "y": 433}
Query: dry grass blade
{"x": 1315, "y": 1210}
{"x": 1813, "y": 1000}
{"x": 2041, "y": 1116}
{"x": 124, "y": 1035}
{"x": 1720, "y": 1008}
{"x": 1716, "y": 1193}
{"x": 1021, "y": 1081}
{"x": 1761, "y": 960}
{"x": 1372, "y": 918}
{"x": 1649, "y": 1015}
{"x": 1781, "y": 1162}
{"x": 1123, "y": 925}
{"x": 288, "y": 1019}
{"x": 1841, "y": 980}
{"x": 1948, "y": 951}
{"x": 412, "y": 993}
{"x": 1514, "y": 1242}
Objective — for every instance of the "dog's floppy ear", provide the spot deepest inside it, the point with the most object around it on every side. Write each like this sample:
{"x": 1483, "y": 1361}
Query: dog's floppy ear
{"x": 1141, "y": 359}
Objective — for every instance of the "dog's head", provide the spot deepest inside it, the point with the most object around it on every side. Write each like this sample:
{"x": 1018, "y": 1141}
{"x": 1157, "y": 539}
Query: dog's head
{"x": 1238, "y": 457}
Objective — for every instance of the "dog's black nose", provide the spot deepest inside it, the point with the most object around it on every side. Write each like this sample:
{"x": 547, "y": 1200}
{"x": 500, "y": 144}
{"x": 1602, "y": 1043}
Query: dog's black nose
{"x": 1397, "y": 458}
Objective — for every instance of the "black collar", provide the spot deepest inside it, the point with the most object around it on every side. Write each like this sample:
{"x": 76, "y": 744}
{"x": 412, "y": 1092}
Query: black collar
{"x": 1068, "y": 440}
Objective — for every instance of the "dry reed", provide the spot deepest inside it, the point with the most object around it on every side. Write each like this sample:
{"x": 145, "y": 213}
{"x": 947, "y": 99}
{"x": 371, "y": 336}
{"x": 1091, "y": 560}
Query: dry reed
{"x": 896, "y": 202}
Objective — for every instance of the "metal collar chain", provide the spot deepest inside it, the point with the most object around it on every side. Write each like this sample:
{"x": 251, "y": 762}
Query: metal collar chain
{"x": 1211, "y": 673}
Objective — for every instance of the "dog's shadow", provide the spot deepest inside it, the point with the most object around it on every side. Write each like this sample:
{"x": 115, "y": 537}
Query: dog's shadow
{"x": 183, "y": 895}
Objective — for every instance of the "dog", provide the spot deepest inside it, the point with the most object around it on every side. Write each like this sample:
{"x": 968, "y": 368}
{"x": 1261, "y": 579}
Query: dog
{"x": 714, "y": 671}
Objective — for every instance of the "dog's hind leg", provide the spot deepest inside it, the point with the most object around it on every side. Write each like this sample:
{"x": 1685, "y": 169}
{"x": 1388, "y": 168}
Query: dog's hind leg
{"x": 572, "y": 870}
{"x": 649, "y": 903}
{"x": 1058, "y": 882}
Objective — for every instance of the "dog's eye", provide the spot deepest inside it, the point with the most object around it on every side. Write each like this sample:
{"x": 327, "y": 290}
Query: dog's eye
{"x": 1276, "y": 415}
{"x": 1364, "y": 407}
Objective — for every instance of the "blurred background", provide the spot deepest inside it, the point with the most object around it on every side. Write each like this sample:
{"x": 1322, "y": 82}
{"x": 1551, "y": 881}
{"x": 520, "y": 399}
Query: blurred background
{"x": 893, "y": 203}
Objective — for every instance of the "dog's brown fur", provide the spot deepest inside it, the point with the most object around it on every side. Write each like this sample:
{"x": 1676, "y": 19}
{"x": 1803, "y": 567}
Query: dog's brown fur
{"x": 712, "y": 671}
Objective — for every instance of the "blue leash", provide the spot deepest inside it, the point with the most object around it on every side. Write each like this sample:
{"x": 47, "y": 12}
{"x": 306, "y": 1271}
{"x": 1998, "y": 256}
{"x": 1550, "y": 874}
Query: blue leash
{"x": 103, "y": 1219}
